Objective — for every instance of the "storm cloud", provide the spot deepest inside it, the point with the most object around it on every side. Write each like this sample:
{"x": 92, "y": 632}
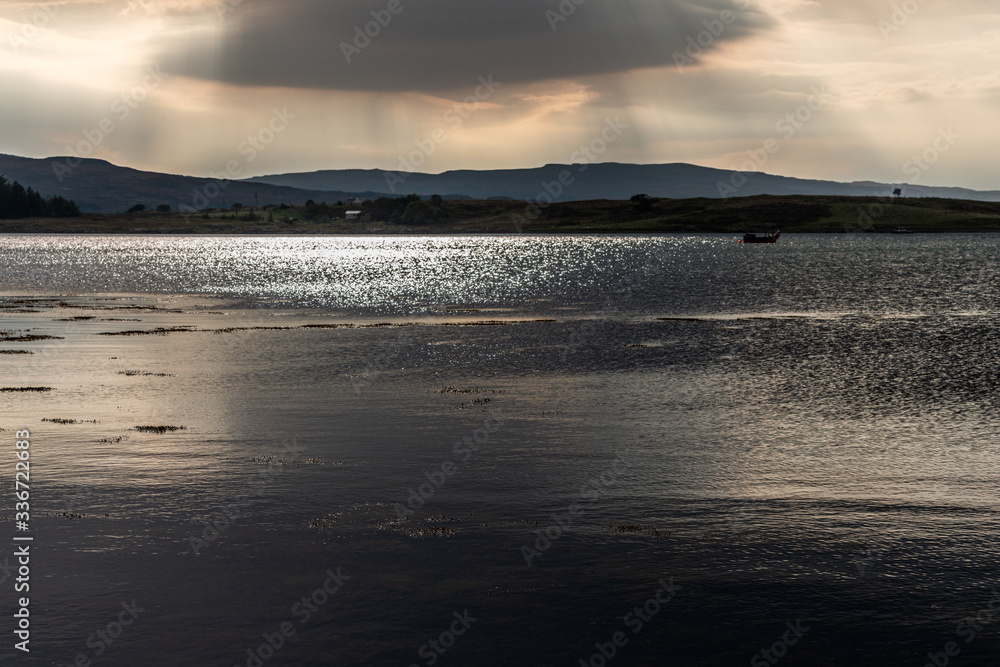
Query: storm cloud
{"x": 442, "y": 45}
{"x": 370, "y": 81}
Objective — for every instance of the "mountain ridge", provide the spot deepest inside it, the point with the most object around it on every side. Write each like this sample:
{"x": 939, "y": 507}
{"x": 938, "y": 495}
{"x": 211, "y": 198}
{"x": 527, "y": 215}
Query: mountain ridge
{"x": 99, "y": 186}
{"x": 608, "y": 180}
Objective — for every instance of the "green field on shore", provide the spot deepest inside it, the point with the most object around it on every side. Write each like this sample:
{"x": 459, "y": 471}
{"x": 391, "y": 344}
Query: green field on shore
{"x": 736, "y": 215}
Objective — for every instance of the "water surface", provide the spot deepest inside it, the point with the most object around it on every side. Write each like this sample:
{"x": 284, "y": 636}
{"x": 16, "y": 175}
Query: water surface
{"x": 798, "y": 432}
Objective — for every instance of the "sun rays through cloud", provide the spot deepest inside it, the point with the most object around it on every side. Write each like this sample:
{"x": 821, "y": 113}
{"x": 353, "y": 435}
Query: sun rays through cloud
{"x": 365, "y": 79}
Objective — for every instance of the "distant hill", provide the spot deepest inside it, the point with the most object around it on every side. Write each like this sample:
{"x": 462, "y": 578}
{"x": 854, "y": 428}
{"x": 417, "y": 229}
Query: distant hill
{"x": 608, "y": 180}
{"x": 98, "y": 186}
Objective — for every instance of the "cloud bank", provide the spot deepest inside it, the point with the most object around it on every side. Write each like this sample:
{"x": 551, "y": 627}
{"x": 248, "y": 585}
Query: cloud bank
{"x": 442, "y": 45}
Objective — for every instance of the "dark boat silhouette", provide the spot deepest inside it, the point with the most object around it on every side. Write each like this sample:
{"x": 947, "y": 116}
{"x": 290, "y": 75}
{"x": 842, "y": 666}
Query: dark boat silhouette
{"x": 763, "y": 238}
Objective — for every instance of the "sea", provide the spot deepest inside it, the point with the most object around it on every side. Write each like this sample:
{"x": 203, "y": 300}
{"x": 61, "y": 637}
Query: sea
{"x": 668, "y": 449}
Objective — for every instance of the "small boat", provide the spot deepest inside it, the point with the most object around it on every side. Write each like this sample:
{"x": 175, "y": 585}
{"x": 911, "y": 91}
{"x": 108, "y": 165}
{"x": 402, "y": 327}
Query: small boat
{"x": 763, "y": 238}
{"x": 902, "y": 230}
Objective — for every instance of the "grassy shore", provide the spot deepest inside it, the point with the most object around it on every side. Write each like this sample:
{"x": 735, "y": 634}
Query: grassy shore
{"x": 736, "y": 215}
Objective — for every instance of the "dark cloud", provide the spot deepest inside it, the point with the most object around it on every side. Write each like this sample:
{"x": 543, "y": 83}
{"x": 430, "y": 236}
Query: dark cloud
{"x": 445, "y": 45}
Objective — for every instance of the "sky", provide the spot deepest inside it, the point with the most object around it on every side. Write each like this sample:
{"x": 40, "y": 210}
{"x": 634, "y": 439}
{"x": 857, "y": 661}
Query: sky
{"x": 888, "y": 90}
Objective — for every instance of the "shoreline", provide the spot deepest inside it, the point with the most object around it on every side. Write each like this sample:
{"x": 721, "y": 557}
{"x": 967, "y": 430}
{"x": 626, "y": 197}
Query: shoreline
{"x": 737, "y": 215}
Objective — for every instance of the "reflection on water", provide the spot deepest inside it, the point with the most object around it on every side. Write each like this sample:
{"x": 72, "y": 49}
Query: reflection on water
{"x": 669, "y": 274}
{"x": 810, "y": 430}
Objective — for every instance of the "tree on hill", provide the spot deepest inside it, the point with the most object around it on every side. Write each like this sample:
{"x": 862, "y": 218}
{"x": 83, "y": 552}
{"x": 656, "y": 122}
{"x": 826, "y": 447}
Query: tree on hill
{"x": 389, "y": 209}
{"x": 138, "y": 208}
{"x": 420, "y": 213}
{"x": 18, "y": 202}
{"x": 60, "y": 207}
{"x": 642, "y": 202}
{"x": 312, "y": 210}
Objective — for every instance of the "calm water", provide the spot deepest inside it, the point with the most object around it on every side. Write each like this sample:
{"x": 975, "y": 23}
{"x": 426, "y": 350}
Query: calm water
{"x": 802, "y": 433}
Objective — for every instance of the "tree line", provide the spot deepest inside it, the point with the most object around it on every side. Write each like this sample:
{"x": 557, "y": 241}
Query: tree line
{"x": 16, "y": 201}
{"x": 408, "y": 210}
